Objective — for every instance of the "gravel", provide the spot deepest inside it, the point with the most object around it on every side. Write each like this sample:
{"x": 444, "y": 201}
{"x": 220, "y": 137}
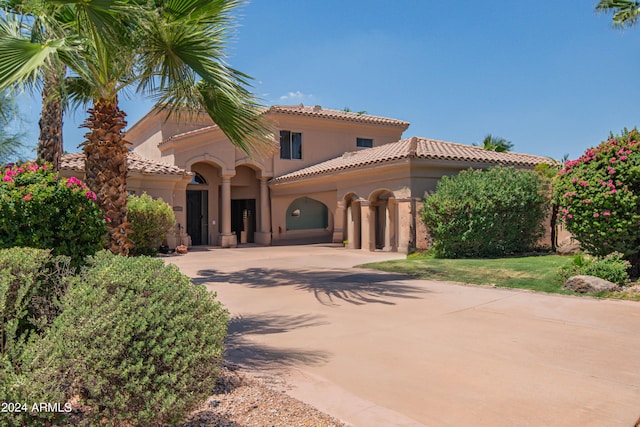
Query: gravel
{"x": 240, "y": 399}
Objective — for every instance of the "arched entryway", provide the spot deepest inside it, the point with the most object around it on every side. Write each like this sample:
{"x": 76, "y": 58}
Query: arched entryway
{"x": 198, "y": 210}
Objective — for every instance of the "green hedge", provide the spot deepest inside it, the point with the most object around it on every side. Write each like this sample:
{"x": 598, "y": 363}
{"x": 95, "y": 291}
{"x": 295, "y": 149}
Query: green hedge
{"x": 150, "y": 221}
{"x": 486, "y": 213}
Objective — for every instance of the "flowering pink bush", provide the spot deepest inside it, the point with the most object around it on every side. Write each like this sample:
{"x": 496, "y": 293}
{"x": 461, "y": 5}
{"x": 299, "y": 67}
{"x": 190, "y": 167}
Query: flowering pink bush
{"x": 41, "y": 209}
{"x": 599, "y": 197}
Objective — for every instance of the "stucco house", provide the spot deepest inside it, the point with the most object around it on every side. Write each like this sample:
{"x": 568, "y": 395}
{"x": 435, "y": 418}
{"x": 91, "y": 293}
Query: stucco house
{"x": 337, "y": 176}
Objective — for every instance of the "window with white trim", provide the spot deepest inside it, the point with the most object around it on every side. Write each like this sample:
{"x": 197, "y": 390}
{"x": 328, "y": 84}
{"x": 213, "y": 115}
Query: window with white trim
{"x": 290, "y": 145}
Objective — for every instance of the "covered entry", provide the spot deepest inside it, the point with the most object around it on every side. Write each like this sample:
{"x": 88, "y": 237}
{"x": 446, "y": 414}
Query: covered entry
{"x": 243, "y": 219}
{"x": 197, "y": 217}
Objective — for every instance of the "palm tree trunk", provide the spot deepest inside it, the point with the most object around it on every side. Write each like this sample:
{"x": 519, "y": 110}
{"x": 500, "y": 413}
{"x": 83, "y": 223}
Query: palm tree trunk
{"x": 106, "y": 169}
{"x": 50, "y": 140}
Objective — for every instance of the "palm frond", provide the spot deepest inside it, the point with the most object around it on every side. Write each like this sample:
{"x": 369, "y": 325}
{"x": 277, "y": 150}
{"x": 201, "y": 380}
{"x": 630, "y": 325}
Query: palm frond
{"x": 20, "y": 59}
{"x": 625, "y": 12}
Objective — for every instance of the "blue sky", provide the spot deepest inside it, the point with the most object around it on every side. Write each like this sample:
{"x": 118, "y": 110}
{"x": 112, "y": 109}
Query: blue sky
{"x": 552, "y": 76}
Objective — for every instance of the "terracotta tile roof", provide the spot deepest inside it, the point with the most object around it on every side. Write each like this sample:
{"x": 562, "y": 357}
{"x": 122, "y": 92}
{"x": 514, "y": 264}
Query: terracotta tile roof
{"x": 421, "y": 148}
{"x": 137, "y": 163}
{"x": 302, "y": 110}
{"x": 318, "y": 111}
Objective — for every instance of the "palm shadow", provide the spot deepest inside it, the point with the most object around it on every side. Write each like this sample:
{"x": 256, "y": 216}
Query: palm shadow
{"x": 251, "y": 355}
{"x": 329, "y": 287}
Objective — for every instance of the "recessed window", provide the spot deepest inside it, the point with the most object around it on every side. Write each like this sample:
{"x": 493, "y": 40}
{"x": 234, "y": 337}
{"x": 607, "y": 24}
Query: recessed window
{"x": 290, "y": 145}
{"x": 197, "y": 179}
{"x": 364, "y": 142}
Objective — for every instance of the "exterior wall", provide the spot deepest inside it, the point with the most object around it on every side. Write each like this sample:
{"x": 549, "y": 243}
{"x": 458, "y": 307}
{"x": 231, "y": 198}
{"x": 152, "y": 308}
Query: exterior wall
{"x": 324, "y": 139}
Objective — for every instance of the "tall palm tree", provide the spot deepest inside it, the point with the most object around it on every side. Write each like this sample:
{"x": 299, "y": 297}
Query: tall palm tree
{"x": 172, "y": 49}
{"x": 625, "y": 12}
{"x": 495, "y": 143}
{"x": 45, "y": 21}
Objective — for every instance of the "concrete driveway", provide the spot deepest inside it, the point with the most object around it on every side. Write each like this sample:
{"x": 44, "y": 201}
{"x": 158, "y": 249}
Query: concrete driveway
{"x": 376, "y": 349}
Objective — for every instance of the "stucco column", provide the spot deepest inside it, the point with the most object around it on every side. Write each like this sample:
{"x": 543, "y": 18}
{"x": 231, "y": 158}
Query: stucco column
{"x": 350, "y": 231}
{"x": 263, "y": 236}
{"x": 338, "y": 223}
{"x": 387, "y": 226}
{"x": 367, "y": 236}
{"x": 227, "y": 240}
{"x": 390, "y": 242}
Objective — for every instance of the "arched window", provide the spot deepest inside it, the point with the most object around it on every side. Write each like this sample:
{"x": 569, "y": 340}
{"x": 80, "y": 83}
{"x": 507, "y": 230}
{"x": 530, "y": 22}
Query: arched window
{"x": 306, "y": 213}
{"x": 198, "y": 179}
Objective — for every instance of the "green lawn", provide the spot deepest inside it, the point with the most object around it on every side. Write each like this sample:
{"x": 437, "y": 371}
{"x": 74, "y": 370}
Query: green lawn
{"x": 538, "y": 273}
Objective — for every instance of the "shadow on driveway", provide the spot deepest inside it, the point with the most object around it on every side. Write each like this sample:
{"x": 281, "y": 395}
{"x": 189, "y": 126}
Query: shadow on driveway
{"x": 252, "y": 355}
{"x": 328, "y": 287}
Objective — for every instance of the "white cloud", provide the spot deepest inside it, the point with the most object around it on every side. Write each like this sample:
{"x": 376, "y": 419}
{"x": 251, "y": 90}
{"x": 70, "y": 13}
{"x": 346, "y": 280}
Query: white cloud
{"x": 296, "y": 96}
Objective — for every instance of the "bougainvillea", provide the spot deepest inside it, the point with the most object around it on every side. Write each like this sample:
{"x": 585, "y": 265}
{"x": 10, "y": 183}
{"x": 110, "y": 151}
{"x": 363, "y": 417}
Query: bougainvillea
{"x": 41, "y": 209}
{"x": 599, "y": 197}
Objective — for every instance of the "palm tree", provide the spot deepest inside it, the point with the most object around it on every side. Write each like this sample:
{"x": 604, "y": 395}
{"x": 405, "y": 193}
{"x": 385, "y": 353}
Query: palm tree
{"x": 172, "y": 49}
{"x": 45, "y": 22}
{"x": 625, "y": 12}
{"x": 495, "y": 143}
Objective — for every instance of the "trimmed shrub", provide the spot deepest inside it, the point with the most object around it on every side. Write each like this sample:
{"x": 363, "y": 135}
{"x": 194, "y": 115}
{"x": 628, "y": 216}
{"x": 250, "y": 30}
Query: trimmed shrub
{"x": 480, "y": 213}
{"x": 150, "y": 221}
{"x": 599, "y": 197}
{"x": 40, "y": 209}
{"x": 612, "y": 267}
{"x": 31, "y": 282}
{"x": 136, "y": 341}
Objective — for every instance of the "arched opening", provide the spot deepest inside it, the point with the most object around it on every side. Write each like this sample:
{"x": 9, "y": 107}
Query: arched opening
{"x": 307, "y": 214}
{"x": 202, "y": 194}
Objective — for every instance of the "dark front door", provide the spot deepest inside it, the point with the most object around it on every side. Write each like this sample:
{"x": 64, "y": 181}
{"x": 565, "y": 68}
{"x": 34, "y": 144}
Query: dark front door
{"x": 243, "y": 219}
{"x": 197, "y": 218}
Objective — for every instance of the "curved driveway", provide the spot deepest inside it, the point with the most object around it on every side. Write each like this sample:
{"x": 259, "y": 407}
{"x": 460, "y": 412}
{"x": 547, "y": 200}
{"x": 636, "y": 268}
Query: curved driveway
{"x": 375, "y": 348}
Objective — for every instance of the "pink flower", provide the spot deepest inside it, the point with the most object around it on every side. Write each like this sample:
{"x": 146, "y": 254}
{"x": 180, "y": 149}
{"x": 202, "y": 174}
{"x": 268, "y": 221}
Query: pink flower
{"x": 584, "y": 183}
{"x": 73, "y": 181}
{"x": 33, "y": 167}
{"x": 606, "y": 213}
{"x": 570, "y": 216}
{"x": 596, "y": 214}
{"x": 605, "y": 243}
{"x": 91, "y": 195}
{"x": 7, "y": 178}
{"x": 613, "y": 160}
{"x": 27, "y": 197}
{"x": 574, "y": 180}
{"x": 623, "y": 158}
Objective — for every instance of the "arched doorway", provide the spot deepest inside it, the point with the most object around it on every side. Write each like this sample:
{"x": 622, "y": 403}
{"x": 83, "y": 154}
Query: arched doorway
{"x": 197, "y": 210}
